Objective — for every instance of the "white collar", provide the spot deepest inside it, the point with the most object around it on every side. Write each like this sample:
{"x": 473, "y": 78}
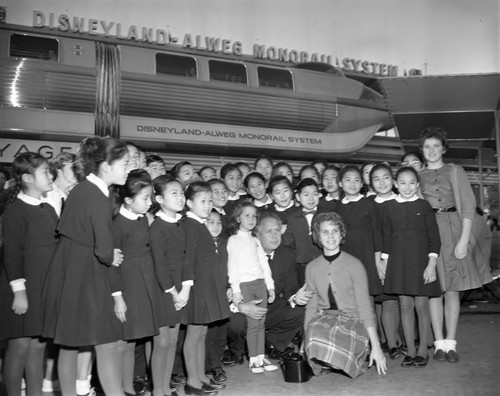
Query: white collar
{"x": 167, "y": 218}
{"x": 191, "y": 215}
{"x": 244, "y": 233}
{"x": 221, "y": 211}
{"x": 370, "y": 193}
{"x": 28, "y": 199}
{"x": 400, "y": 199}
{"x": 99, "y": 183}
{"x": 235, "y": 198}
{"x": 328, "y": 198}
{"x": 379, "y": 199}
{"x": 261, "y": 204}
{"x": 281, "y": 209}
{"x": 270, "y": 254}
{"x": 56, "y": 193}
{"x": 356, "y": 199}
{"x": 128, "y": 214}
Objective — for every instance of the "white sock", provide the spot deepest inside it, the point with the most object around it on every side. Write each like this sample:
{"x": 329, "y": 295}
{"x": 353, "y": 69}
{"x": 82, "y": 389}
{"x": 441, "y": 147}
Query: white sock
{"x": 82, "y": 387}
{"x": 252, "y": 360}
{"x": 451, "y": 345}
{"x": 261, "y": 359}
{"x": 440, "y": 344}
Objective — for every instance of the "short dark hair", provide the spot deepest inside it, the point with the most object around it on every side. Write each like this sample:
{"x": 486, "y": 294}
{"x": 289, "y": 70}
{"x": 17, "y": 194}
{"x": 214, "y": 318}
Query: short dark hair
{"x": 435, "y": 132}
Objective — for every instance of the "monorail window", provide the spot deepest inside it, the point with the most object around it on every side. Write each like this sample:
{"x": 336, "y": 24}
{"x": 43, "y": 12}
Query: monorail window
{"x": 227, "y": 71}
{"x": 175, "y": 65}
{"x": 34, "y": 47}
{"x": 276, "y": 78}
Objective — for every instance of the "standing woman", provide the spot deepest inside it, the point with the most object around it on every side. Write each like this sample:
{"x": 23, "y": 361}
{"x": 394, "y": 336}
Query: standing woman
{"x": 463, "y": 262}
{"x": 83, "y": 307}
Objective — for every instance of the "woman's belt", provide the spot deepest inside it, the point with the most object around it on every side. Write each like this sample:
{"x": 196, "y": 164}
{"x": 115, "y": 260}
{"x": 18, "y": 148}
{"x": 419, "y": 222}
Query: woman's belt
{"x": 443, "y": 210}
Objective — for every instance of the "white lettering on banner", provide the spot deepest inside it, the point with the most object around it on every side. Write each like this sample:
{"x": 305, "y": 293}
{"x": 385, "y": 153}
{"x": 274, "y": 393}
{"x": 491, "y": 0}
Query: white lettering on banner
{"x": 10, "y": 148}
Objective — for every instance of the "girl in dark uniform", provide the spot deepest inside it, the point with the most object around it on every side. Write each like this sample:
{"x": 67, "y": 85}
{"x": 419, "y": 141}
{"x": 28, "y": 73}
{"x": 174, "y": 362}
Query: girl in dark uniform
{"x": 80, "y": 309}
{"x": 28, "y": 245}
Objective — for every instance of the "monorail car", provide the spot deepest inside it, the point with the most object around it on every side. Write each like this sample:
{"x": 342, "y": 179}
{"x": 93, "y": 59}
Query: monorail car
{"x": 59, "y": 85}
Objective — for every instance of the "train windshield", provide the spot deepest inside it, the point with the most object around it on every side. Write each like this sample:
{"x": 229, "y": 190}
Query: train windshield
{"x": 34, "y": 47}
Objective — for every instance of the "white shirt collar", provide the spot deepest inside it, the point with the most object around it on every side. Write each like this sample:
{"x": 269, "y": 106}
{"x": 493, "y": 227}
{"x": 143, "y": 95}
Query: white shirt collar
{"x": 235, "y": 198}
{"x": 400, "y": 199}
{"x": 356, "y": 199}
{"x": 261, "y": 204}
{"x": 129, "y": 214}
{"x": 281, "y": 209}
{"x": 369, "y": 193}
{"x": 270, "y": 254}
{"x": 221, "y": 211}
{"x": 28, "y": 199}
{"x": 191, "y": 215}
{"x": 379, "y": 199}
{"x": 99, "y": 183}
{"x": 167, "y": 218}
{"x": 328, "y": 198}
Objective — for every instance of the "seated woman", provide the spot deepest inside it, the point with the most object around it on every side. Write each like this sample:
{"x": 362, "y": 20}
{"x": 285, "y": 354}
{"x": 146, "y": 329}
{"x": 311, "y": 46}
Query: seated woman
{"x": 339, "y": 318}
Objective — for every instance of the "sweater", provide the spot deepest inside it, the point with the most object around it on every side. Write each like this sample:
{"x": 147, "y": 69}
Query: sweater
{"x": 348, "y": 279}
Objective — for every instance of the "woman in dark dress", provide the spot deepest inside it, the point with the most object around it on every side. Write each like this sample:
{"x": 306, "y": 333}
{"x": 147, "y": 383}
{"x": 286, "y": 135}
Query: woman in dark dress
{"x": 28, "y": 245}
{"x": 80, "y": 310}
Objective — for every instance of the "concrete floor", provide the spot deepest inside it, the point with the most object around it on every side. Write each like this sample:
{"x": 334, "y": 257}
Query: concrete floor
{"x": 477, "y": 373}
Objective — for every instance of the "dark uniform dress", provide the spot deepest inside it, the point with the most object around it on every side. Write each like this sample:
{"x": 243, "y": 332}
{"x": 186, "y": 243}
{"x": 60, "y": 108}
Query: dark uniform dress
{"x": 168, "y": 244}
{"x": 79, "y": 307}
{"x": 207, "y": 301}
{"x": 363, "y": 237}
{"x": 283, "y": 213}
{"x": 410, "y": 234}
{"x": 29, "y": 242}
{"x": 327, "y": 206}
{"x": 140, "y": 287}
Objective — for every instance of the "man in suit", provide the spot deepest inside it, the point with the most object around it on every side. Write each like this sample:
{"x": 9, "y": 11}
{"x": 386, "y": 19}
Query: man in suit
{"x": 285, "y": 316}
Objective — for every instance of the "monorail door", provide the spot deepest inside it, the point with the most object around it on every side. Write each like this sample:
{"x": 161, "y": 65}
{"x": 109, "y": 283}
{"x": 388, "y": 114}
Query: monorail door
{"x": 108, "y": 89}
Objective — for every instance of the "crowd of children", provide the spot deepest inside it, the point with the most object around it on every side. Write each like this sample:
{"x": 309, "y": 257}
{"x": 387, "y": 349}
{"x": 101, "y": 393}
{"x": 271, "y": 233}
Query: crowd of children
{"x": 107, "y": 248}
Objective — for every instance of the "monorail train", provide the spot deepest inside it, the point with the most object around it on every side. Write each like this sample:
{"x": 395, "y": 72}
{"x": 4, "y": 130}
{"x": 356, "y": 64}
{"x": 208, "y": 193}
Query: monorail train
{"x": 57, "y": 85}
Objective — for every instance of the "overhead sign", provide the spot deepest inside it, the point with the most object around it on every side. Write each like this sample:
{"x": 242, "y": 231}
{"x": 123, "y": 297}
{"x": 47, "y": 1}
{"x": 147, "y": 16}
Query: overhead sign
{"x": 145, "y": 34}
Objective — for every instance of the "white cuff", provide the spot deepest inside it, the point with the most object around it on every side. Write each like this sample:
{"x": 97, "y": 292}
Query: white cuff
{"x": 116, "y": 294}
{"x": 18, "y": 284}
{"x": 433, "y": 255}
{"x": 292, "y": 302}
{"x": 384, "y": 256}
{"x": 170, "y": 290}
{"x": 188, "y": 283}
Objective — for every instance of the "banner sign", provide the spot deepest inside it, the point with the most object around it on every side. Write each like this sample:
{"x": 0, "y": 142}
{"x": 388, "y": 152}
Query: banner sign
{"x": 10, "y": 148}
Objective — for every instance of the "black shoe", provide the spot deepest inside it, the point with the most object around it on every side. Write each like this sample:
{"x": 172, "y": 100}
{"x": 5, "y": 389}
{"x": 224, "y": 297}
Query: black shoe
{"x": 420, "y": 361}
{"x": 228, "y": 359}
{"x": 452, "y": 356}
{"x": 440, "y": 355}
{"x": 239, "y": 360}
{"x": 408, "y": 361}
{"x": 173, "y": 393}
{"x": 191, "y": 390}
{"x": 395, "y": 353}
{"x": 212, "y": 384}
{"x": 217, "y": 374}
{"x": 140, "y": 385}
{"x": 274, "y": 353}
{"x": 177, "y": 380}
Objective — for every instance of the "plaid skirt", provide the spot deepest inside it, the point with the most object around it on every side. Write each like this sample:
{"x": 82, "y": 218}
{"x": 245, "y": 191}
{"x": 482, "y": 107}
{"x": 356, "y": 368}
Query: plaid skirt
{"x": 336, "y": 340}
